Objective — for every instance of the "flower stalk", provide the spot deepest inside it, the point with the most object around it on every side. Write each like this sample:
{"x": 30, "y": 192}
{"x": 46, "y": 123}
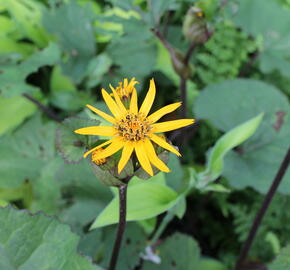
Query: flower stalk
{"x": 121, "y": 225}
{"x": 258, "y": 219}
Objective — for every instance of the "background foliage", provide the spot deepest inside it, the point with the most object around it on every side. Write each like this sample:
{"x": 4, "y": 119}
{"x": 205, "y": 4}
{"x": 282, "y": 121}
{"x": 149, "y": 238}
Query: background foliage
{"x": 56, "y": 55}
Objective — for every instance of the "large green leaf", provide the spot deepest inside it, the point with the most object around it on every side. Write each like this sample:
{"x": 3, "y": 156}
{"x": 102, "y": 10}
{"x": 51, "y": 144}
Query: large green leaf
{"x": 46, "y": 189}
{"x": 257, "y": 161}
{"x": 13, "y": 74}
{"x": 13, "y": 111}
{"x": 275, "y": 36}
{"x": 75, "y": 39}
{"x": 24, "y": 152}
{"x": 79, "y": 180}
{"x": 130, "y": 50}
{"x": 145, "y": 200}
{"x": 38, "y": 242}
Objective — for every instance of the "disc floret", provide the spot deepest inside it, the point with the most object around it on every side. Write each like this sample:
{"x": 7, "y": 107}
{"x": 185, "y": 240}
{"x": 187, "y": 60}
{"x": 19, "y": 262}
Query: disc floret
{"x": 133, "y": 127}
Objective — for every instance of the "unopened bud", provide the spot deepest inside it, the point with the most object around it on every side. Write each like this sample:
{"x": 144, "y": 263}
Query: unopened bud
{"x": 194, "y": 26}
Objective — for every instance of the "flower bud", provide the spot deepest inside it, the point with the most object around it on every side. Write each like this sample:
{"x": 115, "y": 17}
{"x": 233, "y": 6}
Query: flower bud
{"x": 194, "y": 26}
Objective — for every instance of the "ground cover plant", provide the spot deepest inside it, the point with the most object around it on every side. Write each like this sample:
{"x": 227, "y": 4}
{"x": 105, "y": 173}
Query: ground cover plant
{"x": 144, "y": 134}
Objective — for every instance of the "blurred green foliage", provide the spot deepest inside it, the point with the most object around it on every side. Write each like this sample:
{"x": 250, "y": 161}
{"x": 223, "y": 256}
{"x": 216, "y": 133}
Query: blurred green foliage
{"x": 56, "y": 55}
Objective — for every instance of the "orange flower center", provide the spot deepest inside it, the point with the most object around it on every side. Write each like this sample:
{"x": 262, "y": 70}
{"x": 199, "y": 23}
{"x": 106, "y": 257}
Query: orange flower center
{"x": 133, "y": 127}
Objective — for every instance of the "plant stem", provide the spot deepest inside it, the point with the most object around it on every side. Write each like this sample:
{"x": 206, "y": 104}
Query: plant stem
{"x": 189, "y": 53}
{"x": 121, "y": 225}
{"x": 267, "y": 200}
{"x": 43, "y": 108}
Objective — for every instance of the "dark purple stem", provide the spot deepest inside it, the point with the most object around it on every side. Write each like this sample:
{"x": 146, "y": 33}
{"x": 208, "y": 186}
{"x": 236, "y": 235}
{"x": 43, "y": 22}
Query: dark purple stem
{"x": 43, "y": 108}
{"x": 268, "y": 198}
{"x": 121, "y": 225}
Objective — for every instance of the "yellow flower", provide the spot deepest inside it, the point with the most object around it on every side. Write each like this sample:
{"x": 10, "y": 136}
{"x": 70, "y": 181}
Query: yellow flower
{"x": 125, "y": 89}
{"x": 133, "y": 130}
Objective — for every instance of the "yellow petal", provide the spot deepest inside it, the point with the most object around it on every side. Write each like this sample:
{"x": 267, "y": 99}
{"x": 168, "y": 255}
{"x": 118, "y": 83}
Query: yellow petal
{"x": 114, "y": 108}
{"x": 102, "y": 114}
{"x": 134, "y": 102}
{"x": 114, "y": 147}
{"x": 148, "y": 101}
{"x": 142, "y": 157}
{"x": 125, "y": 82}
{"x": 163, "y": 144}
{"x": 153, "y": 158}
{"x": 126, "y": 154}
{"x": 171, "y": 125}
{"x": 161, "y": 112}
{"x": 97, "y": 130}
{"x": 118, "y": 100}
{"x": 97, "y": 147}
{"x": 132, "y": 83}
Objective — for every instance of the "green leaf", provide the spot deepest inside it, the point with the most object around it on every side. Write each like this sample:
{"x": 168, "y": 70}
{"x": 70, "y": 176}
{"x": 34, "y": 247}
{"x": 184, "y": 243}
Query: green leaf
{"x": 275, "y": 52}
{"x": 27, "y": 28}
{"x": 246, "y": 17}
{"x": 97, "y": 68}
{"x": 227, "y": 142}
{"x": 144, "y": 201}
{"x": 24, "y": 152}
{"x": 14, "y": 111}
{"x": 46, "y": 189}
{"x": 175, "y": 176}
{"x": 132, "y": 48}
{"x": 282, "y": 262}
{"x": 6, "y": 25}
{"x": 158, "y": 8}
{"x": 8, "y": 45}
{"x": 13, "y": 75}
{"x": 76, "y": 40}
{"x": 79, "y": 180}
{"x": 60, "y": 82}
{"x": 81, "y": 213}
{"x": 230, "y": 103}
{"x": 71, "y": 100}
{"x": 178, "y": 251}
{"x": 258, "y": 159}
{"x": 28, "y": 242}
{"x": 210, "y": 264}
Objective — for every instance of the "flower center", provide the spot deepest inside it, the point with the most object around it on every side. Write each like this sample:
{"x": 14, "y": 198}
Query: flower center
{"x": 133, "y": 127}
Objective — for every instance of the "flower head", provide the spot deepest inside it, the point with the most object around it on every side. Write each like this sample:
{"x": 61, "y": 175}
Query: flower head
{"x": 125, "y": 89}
{"x": 133, "y": 129}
